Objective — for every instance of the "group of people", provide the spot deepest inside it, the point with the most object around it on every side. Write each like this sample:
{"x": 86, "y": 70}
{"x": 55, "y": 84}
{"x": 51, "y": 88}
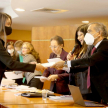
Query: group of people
{"x": 25, "y": 52}
{"x": 86, "y": 63}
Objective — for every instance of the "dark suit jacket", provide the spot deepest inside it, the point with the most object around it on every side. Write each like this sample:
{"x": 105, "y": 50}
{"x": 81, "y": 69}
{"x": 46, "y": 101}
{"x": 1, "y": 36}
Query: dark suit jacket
{"x": 7, "y": 61}
{"x": 98, "y": 63}
{"x": 62, "y": 83}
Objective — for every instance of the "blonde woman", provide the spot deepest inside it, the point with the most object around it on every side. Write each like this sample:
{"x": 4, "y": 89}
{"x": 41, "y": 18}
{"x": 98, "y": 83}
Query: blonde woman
{"x": 30, "y": 55}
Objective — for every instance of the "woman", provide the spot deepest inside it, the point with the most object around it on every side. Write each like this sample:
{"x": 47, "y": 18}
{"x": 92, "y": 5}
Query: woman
{"x": 81, "y": 51}
{"x": 6, "y": 60}
{"x": 18, "y": 46}
{"x": 14, "y": 55}
{"x": 30, "y": 55}
{"x": 10, "y": 50}
{"x": 59, "y": 78}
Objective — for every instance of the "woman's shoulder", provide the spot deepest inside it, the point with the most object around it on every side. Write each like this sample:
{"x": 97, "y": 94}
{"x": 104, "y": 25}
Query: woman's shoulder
{"x": 65, "y": 52}
{"x": 52, "y": 55}
{"x": 29, "y": 57}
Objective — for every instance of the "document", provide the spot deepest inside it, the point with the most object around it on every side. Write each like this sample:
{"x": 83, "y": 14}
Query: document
{"x": 6, "y": 82}
{"x": 48, "y": 64}
{"x": 12, "y": 75}
{"x": 41, "y": 77}
{"x": 57, "y": 60}
{"x": 61, "y": 98}
{"x": 54, "y": 60}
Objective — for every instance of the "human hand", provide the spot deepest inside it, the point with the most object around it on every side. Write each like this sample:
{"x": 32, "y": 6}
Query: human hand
{"x": 33, "y": 62}
{"x": 39, "y": 67}
{"x": 53, "y": 77}
{"x": 59, "y": 65}
{"x": 70, "y": 56}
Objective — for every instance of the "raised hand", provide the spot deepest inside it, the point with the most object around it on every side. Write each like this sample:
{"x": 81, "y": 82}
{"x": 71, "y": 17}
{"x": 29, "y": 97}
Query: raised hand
{"x": 70, "y": 56}
{"x": 39, "y": 67}
{"x": 59, "y": 65}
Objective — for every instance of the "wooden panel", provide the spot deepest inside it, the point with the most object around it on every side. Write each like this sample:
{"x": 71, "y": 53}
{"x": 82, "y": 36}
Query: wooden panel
{"x": 42, "y": 47}
{"x": 69, "y": 44}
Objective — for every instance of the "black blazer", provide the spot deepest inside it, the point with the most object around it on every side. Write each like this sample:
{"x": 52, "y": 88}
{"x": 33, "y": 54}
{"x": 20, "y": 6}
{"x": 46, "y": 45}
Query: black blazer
{"x": 98, "y": 63}
{"x": 6, "y": 61}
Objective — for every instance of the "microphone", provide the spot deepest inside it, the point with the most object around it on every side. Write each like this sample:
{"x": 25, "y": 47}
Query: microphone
{"x": 74, "y": 49}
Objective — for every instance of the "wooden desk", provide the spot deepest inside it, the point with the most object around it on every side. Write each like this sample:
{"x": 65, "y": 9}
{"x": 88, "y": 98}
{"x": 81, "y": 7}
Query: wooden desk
{"x": 46, "y": 106}
{"x": 8, "y": 99}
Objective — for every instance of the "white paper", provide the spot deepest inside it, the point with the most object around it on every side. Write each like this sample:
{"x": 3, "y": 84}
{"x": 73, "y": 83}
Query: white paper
{"x": 64, "y": 97}
{"x": 41, "y": 77}
{"x": 26, "y": 88}
{"x": 57, "y": 60}
{"x": 48, "y": 64}
{"x": 66, "y": 69}
{"x": 12, "y": 75}
{"x": 54, "y": 60}
{"x": 6, "y": 82}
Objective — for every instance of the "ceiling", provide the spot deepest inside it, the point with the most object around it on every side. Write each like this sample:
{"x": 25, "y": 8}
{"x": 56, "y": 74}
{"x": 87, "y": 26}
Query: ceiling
{"x": 78, "y": 10}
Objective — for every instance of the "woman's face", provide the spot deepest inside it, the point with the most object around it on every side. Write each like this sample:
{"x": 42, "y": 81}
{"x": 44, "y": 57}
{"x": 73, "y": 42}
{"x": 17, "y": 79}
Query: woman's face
{"x": 25, "y": 49}
{"x": 80, "y": 37}
{"x": 8, "y": 22}
{"x": 9, "y": 47}
{"x": 55, "y": 47}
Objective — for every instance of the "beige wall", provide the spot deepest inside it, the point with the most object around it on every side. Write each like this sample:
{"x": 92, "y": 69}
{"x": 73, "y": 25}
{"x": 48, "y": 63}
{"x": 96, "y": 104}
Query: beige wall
{"x": 24, "y": 35}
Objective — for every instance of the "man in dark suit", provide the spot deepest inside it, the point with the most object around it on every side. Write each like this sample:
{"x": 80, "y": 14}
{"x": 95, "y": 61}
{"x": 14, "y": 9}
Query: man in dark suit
{"x": 97, "y": 62}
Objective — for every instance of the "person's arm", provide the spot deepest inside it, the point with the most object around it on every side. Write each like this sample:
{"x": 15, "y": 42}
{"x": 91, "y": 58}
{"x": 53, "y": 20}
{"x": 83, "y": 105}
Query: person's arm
{"x": 96, "y": 58}
{"x": 63, "y": 75}
{"x": 46, "y": 73}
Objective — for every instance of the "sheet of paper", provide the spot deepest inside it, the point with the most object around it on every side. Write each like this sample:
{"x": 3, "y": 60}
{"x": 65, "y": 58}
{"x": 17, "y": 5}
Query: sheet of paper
{"x": 6, "y": 82}
{"x": 66, "y": 69}
{"x": 64, "y": 97}
{"x": 57, "y": 60}
{"x": 48, "y": 64}
{"x": 12, "y": 75}
{"x": 41, "y": 77}
{"x": 54, "y": 60}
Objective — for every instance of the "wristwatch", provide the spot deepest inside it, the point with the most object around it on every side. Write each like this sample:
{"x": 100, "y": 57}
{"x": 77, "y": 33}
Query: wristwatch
{"x": 65, "y": 64}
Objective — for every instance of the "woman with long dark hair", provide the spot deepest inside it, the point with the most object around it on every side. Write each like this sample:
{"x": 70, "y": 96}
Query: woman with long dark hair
{"x": 81, "y": 51}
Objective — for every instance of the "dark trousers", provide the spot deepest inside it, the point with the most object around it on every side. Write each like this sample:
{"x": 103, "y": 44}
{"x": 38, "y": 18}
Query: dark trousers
{"x": 19, "y": 81}
{"x": 94, "y": 96}
{"x": 64, "y": 93}
{"x": 35, "y": 82}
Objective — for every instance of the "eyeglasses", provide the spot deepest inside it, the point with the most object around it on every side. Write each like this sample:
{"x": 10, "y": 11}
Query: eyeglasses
{"x": 24, "y": 48}
{"x": 53, "y": 47}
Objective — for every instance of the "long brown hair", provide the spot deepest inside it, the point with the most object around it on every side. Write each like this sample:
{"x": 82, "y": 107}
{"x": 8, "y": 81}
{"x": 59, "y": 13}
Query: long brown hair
{"x": 80, "y": 48}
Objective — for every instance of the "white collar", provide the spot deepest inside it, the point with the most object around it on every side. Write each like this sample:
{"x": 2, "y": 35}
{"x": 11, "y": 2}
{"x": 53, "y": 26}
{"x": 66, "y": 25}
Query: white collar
{"x": 98, "y": 44}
